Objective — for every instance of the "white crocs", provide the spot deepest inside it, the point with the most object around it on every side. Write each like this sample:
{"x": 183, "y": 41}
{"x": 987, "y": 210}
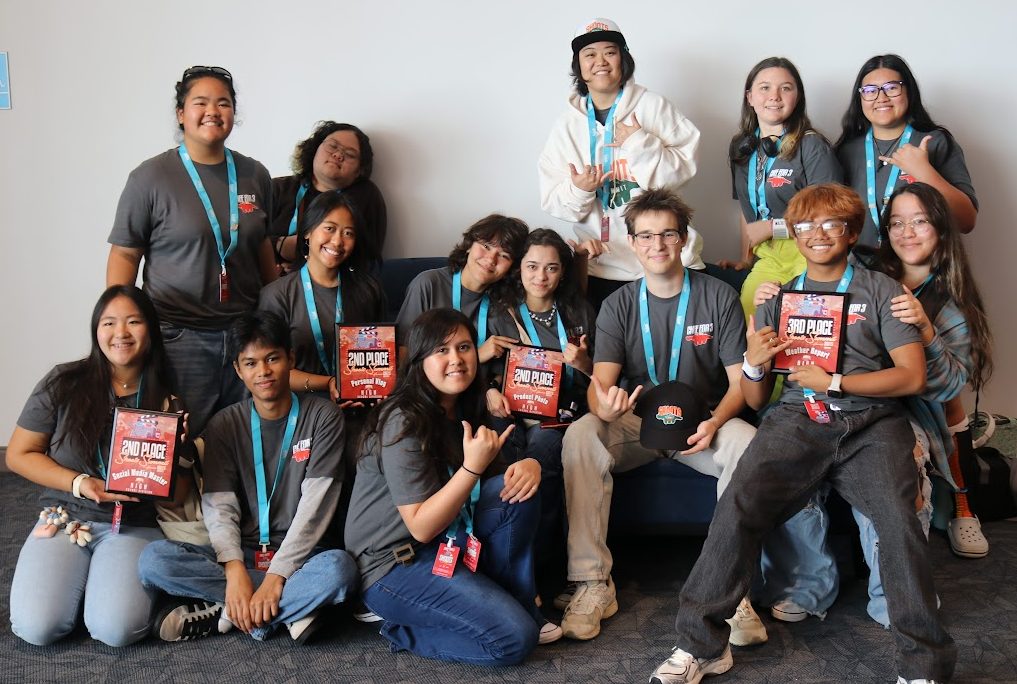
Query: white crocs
{"x": 966, "y": 538}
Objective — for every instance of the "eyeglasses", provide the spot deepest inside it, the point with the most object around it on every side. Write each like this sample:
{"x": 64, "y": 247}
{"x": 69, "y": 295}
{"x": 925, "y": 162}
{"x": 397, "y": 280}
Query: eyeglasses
{"x": 891, "y": 88}
{"x": 332, "y": 147}
{"x": 668, "y": 237}
{"x": 831, "y": 228}
{"x": 919, "y": 224}
{"x": 200, "y": 70}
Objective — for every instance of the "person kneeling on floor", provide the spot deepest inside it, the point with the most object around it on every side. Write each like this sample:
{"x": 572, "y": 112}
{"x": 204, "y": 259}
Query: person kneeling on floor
{"x": 273, "y": 475}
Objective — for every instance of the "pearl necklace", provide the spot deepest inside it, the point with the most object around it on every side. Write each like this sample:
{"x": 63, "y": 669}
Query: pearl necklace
{"x": 546, "y": 322}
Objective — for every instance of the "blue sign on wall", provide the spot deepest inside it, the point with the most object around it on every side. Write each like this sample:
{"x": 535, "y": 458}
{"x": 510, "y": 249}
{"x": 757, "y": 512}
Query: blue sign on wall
{"x": 5, "y": 82}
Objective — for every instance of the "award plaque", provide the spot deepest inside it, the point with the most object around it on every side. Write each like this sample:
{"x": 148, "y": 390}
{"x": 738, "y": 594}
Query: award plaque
{"x": 143, "y": 453}
{"x": 365, "y": 361}
{"x": 532, "y": 381}
{"x": 815, "y": 323}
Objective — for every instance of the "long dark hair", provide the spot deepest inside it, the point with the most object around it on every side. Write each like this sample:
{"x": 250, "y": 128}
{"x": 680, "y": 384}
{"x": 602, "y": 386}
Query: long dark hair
{"x": 363, "y": 296}
{"x": 950, "y": 269}
{"x": 82, "y": 387}
{"x": 303, "y": 154}
{"x": 567, "y": 297}
{"x": 854, "y": 123}
{"x": 418, "y": 400}
{"x": 795, "y": 126}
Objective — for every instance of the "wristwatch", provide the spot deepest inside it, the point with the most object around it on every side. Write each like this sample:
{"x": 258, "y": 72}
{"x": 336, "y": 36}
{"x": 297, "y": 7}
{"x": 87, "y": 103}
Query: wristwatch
{"x": 834, "y": 391}
{"x": 779, "y": 229}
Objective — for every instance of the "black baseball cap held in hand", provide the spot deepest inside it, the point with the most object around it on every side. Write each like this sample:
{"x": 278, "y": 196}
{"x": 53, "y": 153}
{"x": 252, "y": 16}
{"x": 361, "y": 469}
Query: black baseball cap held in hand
{"x": 671, "y": 413}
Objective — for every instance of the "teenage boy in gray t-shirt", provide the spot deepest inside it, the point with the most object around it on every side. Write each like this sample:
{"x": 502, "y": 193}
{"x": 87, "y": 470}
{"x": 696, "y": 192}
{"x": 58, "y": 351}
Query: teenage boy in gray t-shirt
{"x": 606, "y": 440}
{"x": 847, "y": 429}
{"x": 273, "y": 475}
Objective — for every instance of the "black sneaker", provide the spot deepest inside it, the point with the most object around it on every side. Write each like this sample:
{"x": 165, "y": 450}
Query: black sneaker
{"x": 361, "y": 613}
{"x": 193, "y": 620}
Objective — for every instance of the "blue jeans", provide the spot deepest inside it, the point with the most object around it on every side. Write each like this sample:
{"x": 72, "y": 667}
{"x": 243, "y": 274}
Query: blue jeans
{"x": 867, "y": 456}
{"x": 53, "y": 577}
{"x": 483, "y": 618}
{"x": 797, "y": 562}
{"x": 191, "y": 571}
{"x": 545, "y": 447}
{"x": 202, "y": 373}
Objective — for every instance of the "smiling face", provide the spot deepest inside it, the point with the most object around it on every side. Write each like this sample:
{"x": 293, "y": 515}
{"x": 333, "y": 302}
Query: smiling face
{"x": 452, "y": 365}
{"x": 600, "y": 66}
{"x": 207, "y": 114}
{"x": 337, "y": 161}
{"x": 122, "y": 335}
{"x": 773, "y": 96}
{"x": 331, "y": 242}
{"x": 486, "y": 264}
{"x": 541, "y": 271}
{"x": 265, "y": 371}
{"x": 657, "y": 258}
{"x": 884, "y": 111}
{"x": 915, "y": 248}
{"x": 821, "y": 249}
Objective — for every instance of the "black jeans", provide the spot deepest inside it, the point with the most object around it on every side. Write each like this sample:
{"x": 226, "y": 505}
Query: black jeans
{"x": 867, "y": 456}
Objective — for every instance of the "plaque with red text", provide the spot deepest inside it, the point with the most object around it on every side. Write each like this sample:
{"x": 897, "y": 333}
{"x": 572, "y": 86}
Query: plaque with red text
{"x": 532, "y": 382}
{"x": 143, "y": 453}
{"x": 365, "y": 361}
{"x": 815, "y": 323}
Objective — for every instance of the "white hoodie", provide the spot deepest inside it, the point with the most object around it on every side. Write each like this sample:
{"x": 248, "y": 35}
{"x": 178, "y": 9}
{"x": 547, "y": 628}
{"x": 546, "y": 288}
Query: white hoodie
{"x": 662, "y": 153}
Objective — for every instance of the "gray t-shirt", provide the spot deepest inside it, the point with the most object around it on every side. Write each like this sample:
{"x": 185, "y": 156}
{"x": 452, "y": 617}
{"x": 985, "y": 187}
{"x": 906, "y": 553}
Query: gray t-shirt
{"x": 714, "y": 335}
{"x": 160, "y": 212}
{"x": 950, "y": 165}
{"x": 813, "y": 163}
{"x": 285, "y": 298}
{"x": 41, "y": 414}
{"x": 872, "y": 332}
{"x": 433, "y": 290}
{"x": 305, "y": 497}
{"x": 400, "y": 476}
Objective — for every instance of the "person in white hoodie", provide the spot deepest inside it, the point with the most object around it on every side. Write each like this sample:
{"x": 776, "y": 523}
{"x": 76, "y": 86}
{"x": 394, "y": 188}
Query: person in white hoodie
{"x": 615, "y": 140}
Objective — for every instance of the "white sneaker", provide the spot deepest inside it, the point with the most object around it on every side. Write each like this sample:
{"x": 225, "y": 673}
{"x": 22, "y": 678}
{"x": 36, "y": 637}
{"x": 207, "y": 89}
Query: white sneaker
{"x": 302, "y": 629}
{"x": 593, "y": 602}
{"x": 746, "y": 627}
{"x": 787, "y": 610}
{"x": 549, "y": 633}
{"x": 683, "y": 668}
{"x": 901, "y": 680}
{"x": 966, "y": 538}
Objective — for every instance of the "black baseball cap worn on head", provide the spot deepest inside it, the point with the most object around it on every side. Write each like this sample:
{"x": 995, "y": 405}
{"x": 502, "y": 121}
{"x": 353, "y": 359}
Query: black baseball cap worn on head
{"x": 671, "y": 413}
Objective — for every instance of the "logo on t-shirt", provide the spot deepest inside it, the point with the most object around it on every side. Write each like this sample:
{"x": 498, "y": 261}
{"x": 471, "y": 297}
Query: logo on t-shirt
{"x": 247, "y": 203}
{"x": 302, "y": 450}
{"x": 780, "y": 177}
{"x": 699, "y": 334}
{"x": 908, "y": 178}
{"x": 855, "y": 312}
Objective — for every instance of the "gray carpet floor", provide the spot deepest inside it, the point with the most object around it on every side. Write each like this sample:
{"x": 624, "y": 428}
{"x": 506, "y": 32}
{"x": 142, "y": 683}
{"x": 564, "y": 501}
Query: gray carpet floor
{"x": 979, "y": 608}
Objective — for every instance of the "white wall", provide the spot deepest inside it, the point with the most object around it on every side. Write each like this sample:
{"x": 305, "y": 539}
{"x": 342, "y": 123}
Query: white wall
{"x": 458, "y": 98}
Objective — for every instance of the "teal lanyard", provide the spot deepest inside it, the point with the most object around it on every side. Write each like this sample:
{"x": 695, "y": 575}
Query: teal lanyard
{"x": 312, "y": 315}
{"x": 466, "y": 513}
{"x": 296, "y": 208}
{"x": 676, "y": 338}
{"x": 264, "y": 498}
{"x": 591, "y": 120}
{"x": 563, "y": 338}
{"x": 757, "y": 188}
{"x": 137, "y": 404}
{"x": 870, "y": 176}
{"x": 842, "y": 287}
{"x": 457, "y": 304}
{"x": 918, "y": 290}
{"x": 231, "y": 178}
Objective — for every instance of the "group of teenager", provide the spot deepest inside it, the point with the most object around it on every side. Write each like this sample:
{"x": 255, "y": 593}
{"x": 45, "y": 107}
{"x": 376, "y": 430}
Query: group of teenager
{"x": 433, "y": 507}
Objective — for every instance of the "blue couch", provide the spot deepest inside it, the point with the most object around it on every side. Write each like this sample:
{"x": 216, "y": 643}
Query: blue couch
{"x": 663, "y": 497}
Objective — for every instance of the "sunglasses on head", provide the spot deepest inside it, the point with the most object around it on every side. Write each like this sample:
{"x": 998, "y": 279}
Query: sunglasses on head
{"x": 195, "y": 71}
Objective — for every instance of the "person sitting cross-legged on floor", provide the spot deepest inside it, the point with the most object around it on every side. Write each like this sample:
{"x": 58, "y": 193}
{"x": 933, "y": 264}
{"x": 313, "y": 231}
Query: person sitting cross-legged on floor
{"x": 273, "y": 475}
